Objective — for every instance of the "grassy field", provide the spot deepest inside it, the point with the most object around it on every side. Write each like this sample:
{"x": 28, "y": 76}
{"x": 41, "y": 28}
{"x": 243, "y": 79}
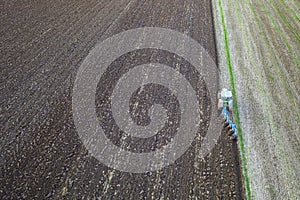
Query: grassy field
{"x": 259, "y": 47}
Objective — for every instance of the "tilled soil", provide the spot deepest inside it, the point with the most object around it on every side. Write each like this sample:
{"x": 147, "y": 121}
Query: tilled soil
{"x": 43, "y": 43}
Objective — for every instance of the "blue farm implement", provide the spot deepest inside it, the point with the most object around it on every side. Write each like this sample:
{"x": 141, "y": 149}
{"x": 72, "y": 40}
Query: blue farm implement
{"x": 226, "y": 104}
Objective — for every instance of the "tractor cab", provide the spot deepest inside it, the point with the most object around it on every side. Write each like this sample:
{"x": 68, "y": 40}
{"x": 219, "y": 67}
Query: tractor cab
{"x": 225, "y": 99}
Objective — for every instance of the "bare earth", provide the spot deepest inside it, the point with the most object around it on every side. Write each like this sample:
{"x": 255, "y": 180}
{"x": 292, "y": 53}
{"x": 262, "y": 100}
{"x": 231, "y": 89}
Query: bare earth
{"x": 42, "y": 45}
{"x": 264, "y": 45}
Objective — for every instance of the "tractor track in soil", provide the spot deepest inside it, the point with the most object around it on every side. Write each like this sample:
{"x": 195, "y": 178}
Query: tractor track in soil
{"x": 42, "y": 46}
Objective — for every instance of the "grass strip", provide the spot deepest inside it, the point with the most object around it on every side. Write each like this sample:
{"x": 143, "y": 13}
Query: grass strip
{"x": 290, "y": 10}
{"x": 270, "y": 48}
{"x": 282, "y": 35}
{"x": 285, "y": 20}
{"x": 236, "y": 109}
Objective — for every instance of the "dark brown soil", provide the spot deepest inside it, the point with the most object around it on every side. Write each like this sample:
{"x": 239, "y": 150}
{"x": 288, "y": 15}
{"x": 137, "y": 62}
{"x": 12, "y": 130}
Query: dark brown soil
{"x": 43, "y": 44}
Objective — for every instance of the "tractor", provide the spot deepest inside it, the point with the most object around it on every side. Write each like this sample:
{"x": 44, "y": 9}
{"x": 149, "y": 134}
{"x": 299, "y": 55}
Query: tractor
{"x": 225, "y": 103}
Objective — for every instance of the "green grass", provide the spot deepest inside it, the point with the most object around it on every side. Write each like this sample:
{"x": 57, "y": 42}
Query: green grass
{"x": 286, "y": 21}
{"x": 282, "y": 35}
{"x": 236, "y": 109}
{"x": 269, "y": 48}
{"x": 291, "y": 11}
